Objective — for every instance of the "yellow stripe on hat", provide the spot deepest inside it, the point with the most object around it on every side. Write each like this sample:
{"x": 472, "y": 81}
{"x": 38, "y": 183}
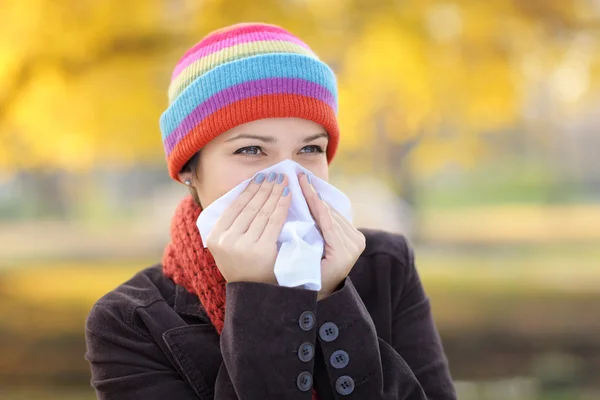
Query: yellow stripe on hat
{"x": 242, "y": 50}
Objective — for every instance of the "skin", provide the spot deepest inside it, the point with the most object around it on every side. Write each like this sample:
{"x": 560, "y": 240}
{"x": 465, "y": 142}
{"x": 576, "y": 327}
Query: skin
{"x": 220, "y": 169}
{"x": 247, "y": 232}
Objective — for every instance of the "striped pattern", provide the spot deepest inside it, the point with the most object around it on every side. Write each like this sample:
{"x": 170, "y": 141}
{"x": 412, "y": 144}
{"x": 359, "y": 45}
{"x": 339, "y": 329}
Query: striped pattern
{"x": 255, "y": 69}
{"x": 240, "y": 74}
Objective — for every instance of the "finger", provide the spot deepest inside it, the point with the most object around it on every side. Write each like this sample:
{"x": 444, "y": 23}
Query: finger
{"x": 257, "y": 226}
{"x": 345, "y": 240}
{"x": 321, "y": 213}
{"x": 235, "y": 208}
{"x": 347, "y": 226}
{"x": 348, "y": 229}
{"x": 247, "y": 215}
{"x": 275, "y": 222}
{"x": 355, "y": 238}
{"x": 309, "y": 193}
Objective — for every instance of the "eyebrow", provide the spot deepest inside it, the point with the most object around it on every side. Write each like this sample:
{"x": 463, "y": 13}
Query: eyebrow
{"x": 266, "y": 139}
{"x": 271, "y": 139}
{"x": 317, "y": 136}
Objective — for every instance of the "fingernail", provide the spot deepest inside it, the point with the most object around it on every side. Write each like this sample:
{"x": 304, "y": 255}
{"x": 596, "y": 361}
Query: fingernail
{"x": 259, "y": 178}
{"x": 280, "y": 178}
{"x": 319, "y": 196}
{"x": 309, "y": 179}
{"x": 271, "y": 177}
{"x": 286, "y": 190}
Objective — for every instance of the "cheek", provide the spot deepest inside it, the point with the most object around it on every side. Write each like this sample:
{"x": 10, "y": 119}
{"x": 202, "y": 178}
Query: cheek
{"x": 318, "y": 167}
{"x": 323, "y": 173}
{"x": 219, "y": 178}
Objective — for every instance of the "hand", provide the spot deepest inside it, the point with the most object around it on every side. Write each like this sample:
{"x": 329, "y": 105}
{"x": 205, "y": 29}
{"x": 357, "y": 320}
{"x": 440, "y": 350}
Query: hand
{"x": 243, "y": 242}
{"x": 343, "y": 242}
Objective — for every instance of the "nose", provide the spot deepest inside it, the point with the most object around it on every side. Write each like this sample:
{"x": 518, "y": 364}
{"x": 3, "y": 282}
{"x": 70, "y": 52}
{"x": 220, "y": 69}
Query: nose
{"x": 285, "y": 155}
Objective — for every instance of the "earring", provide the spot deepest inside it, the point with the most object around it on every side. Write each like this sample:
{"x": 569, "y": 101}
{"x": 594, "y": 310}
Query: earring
{"x": 188, "y": 182}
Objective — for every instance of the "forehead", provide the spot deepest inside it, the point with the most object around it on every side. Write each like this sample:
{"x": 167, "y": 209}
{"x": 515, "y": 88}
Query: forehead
{"x": 292, "y": 127}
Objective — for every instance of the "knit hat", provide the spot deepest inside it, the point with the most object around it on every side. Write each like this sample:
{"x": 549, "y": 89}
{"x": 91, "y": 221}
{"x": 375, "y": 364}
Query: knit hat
{"x": 244, "y": 73}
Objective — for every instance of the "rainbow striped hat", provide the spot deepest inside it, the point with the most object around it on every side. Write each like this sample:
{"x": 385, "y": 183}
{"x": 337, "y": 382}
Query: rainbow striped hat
{"x": 239, "y": 74}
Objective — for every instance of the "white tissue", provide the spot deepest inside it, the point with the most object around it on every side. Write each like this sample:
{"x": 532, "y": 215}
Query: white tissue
{"x": 300, "y": 243}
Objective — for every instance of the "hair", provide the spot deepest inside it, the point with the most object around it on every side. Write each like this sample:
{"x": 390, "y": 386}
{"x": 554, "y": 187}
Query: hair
{"x": 192, "y": 166}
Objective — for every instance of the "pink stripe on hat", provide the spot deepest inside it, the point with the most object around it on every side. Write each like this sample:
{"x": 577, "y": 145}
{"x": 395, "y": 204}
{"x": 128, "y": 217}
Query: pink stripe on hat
{"x": 231, "y": 32}
{"x": 233, "y": 41}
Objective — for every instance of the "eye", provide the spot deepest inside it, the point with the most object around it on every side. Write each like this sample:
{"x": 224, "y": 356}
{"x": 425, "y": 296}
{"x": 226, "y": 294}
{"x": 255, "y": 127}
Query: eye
{"x": 251, "y": 151}
{"x": 312, "y": 149}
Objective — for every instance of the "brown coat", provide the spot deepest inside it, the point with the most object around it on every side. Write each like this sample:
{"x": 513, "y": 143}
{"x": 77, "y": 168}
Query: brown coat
{"x": 372, "y": 339}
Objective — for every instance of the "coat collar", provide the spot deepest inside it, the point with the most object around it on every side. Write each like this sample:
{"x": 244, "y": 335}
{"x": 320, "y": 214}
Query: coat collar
{"x": 188, "y": 304}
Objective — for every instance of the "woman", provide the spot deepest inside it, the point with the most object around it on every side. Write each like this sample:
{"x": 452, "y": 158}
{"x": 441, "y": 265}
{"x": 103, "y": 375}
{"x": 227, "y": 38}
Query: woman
{"x": 214, "y": 323}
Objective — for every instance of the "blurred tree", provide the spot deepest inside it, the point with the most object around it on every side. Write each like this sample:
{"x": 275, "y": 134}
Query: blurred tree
{"x": 83, "y": 83}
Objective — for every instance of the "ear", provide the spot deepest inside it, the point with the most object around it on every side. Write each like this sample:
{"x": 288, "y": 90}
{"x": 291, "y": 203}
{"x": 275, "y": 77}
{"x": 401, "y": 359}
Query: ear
{"x": 184, "y": 176}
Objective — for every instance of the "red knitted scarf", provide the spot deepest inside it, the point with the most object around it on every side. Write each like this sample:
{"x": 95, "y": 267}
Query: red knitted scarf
{"x": 190, "y": 265}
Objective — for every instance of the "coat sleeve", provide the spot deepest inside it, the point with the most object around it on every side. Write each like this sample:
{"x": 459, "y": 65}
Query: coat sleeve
{"x": 412, "y": 367}
{"x": 128, "y": 365}
{"x": 268, "y": 352}
{"x": 268, "y": 341}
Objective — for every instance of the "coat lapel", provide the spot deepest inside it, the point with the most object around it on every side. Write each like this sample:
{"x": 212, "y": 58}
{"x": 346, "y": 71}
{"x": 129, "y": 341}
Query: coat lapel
{"x": 194, "y": 346}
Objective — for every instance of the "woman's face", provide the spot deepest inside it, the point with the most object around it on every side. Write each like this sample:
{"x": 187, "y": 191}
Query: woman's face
{"x": 240, "y": 152}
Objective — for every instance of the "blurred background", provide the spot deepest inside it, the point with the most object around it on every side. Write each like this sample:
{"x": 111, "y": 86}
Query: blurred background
{"x": 470, "y": 126}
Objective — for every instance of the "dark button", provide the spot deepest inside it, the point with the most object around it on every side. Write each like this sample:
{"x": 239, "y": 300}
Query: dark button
{"x": 339, "y": 359}
{"x": 307, "y": 321}
{"x": 304, "y": 381}
{"x": 344, "y": 385}
{"x": 329, "y": 331}
{"x": 306, "y": 352}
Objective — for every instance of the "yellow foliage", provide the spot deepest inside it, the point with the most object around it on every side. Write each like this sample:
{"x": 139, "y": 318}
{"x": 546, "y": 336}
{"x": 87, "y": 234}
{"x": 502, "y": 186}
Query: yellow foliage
{"x": 63, "y": 284}
{"x": 84, "y": 82}
{"x": 387, "y": 70}
{"x": 515, "y": 224}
